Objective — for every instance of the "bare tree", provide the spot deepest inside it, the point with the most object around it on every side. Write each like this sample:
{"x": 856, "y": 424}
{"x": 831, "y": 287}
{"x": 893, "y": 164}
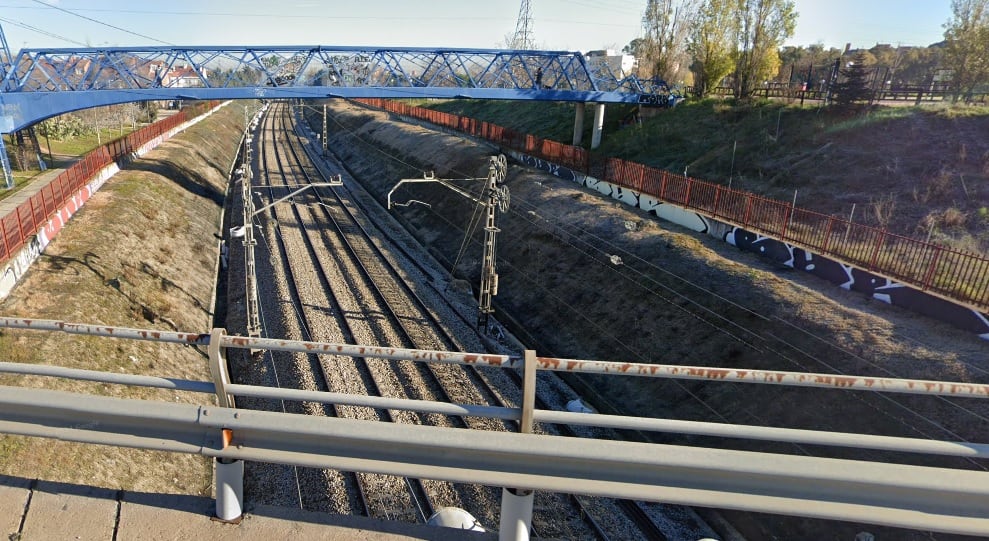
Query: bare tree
{"x": 764, "y": 26}
{"x": 667, "y": 28}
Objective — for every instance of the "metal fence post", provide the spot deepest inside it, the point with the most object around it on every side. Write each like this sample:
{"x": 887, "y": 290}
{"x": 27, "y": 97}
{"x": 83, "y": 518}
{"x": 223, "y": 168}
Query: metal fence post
{"x": 218, "y": 368}
{"x": 516, "y": 503}
{"x": 229, "y": 490}
{"x": 229, "y": 473}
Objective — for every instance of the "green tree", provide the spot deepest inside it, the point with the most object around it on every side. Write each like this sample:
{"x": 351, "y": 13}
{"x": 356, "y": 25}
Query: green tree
{"x": 636, "y": 47}
{"x": 763, "y": 27}
{"x": 917, "y": 65}
{"x": 711, "y": 44}
{"x": 855, "y": 86}
{"x": 967, "y": 46}
{"x": 664, "y": 47}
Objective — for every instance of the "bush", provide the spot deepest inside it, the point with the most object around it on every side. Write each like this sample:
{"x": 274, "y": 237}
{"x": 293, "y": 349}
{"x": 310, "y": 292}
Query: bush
{"x": 64, "y": 127}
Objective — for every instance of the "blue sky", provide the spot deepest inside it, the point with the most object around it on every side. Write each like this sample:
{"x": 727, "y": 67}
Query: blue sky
{"x": 558, "y": 24}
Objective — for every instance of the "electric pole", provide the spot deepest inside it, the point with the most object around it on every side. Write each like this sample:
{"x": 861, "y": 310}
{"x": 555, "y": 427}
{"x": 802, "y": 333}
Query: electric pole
{"x": 494, "y": 196}
{"x": 497, "y": 197}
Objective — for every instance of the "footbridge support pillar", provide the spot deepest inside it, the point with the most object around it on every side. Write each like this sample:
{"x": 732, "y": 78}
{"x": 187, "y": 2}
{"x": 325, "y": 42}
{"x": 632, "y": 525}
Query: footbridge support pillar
{"x": 598, "y": 126}
{"x": 8, "y": 174}
{"x": 578, "y": 123}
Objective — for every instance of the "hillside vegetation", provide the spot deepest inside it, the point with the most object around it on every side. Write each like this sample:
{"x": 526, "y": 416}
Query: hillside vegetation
{"x": 919, "y": 171}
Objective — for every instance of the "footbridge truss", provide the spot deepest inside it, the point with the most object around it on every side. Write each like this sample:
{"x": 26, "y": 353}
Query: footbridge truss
{"x": 41, "y": 83}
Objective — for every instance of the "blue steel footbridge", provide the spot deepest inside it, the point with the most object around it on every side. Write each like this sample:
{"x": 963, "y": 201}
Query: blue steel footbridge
{"x": 40, "y": 83}
{"x": 36, "y": 84}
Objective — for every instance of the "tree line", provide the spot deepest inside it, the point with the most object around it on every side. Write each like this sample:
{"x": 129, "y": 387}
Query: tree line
{"x": 705, "y": 44}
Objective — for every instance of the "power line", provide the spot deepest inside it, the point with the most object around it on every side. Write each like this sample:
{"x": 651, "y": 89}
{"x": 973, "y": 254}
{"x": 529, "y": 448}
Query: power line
{"x": 258, "y": 15}
{"x": 40, "y": 31}
{"x": 101, "y": 22}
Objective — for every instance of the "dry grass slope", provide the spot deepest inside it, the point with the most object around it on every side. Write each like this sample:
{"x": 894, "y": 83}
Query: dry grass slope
{"x": 140, "y": 254}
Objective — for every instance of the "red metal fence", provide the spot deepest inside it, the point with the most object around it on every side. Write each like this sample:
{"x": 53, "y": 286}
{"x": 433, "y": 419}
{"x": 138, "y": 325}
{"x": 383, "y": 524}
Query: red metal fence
{"x": 953, "y": 274}
{"x": 570, "y": 156}
{"x": 19, "y": 226}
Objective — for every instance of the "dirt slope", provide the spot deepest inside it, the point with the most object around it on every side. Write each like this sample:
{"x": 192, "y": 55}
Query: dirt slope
{"x": 588, "y": 277}
{"x": 142, "y": 254}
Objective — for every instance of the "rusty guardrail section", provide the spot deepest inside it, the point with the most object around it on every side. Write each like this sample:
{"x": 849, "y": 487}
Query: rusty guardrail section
{"x": 956, "y": 275}
{"x": 921, "y": 497}
{"x": 17, "y": 228}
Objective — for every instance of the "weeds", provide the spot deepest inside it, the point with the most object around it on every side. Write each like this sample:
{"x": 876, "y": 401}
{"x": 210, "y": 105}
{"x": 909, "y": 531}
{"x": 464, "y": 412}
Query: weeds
{"x": 953, "y": 217}
{"x": 883, "y": 209}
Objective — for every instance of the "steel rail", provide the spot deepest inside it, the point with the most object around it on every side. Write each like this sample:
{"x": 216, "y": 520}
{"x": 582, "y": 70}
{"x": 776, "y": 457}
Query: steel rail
{"x": 283, "y": 161}
{"x": 648, "y": 527}
{"x": 358, "y": 482}
{"x": 918, "y": 497}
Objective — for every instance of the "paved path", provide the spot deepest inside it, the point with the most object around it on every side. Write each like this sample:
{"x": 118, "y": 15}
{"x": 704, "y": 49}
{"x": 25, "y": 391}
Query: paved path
{"x": 40, "y": 510}
{"x": 9, "y": 204}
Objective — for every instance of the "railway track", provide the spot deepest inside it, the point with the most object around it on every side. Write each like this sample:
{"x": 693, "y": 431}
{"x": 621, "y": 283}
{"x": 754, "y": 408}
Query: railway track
{"x": 801, "y": 350}
{"x": 369, "y": 297}
{"x": 595, "y": 512}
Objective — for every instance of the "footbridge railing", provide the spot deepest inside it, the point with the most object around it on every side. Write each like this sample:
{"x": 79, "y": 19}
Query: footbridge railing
{"x": 920, "y": 497}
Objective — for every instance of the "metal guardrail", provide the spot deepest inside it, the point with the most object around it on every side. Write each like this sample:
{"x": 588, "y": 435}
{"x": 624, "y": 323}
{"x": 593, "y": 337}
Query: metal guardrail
{"x": 928, "y": 498}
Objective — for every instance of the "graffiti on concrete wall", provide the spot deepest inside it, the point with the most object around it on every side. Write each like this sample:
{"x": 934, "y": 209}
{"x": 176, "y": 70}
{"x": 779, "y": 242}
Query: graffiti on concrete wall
{"x": 14, "y": 269}
{"x": 856, "y": 279}
{"x": 845, "y": 276}
{"x": 543, "y": 165}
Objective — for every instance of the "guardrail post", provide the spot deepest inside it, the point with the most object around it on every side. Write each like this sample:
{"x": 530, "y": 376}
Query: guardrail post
{"x": 229, "y": 475}
{"x": 516, "y": 503}
{"x": 218, "y": 368}
{"x": 229, "y": 490}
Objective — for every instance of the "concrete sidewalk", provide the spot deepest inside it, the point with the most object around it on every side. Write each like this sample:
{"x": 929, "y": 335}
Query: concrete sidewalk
{"x": 39, "y": 510}
{"x": 35, "y": 185}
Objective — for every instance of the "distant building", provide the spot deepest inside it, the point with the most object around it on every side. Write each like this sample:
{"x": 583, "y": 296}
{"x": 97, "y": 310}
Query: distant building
{"x": 184, "y": 77}
{"x": 609, "y": 60}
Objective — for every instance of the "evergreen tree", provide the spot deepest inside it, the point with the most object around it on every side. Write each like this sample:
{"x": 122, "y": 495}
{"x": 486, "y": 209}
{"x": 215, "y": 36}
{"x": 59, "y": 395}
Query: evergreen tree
{"x": 855, "y": 86}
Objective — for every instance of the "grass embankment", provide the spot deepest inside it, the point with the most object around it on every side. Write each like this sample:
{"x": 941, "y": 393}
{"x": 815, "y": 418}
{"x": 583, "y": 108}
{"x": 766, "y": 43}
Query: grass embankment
{"x": 918, "y": 171}
{"x": 141, "y": 254}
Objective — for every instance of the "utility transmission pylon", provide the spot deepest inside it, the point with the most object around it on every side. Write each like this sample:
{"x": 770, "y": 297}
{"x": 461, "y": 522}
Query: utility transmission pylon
{"x": 522, "y": 39}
